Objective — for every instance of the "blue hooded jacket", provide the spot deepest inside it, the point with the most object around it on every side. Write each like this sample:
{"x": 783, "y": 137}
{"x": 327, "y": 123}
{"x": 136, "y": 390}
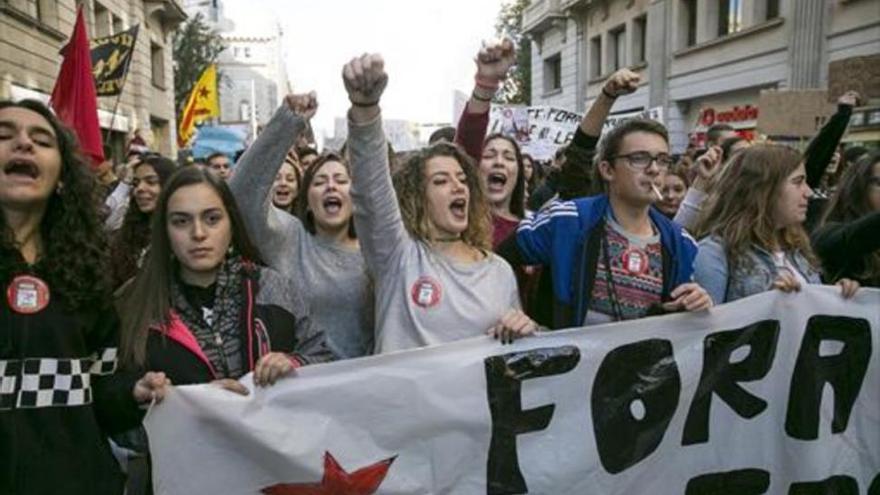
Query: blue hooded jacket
{"x": 560, "y": 237}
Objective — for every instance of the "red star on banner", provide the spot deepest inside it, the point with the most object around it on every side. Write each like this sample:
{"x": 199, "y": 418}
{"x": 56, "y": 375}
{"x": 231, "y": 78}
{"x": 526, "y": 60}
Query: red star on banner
{"x": 203, "y": 93}
{"x": 337, "y": 481}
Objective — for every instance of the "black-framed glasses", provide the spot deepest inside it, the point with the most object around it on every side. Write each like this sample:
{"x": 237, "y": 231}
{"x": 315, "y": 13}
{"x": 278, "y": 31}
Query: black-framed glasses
{"x": 641, "y": 160}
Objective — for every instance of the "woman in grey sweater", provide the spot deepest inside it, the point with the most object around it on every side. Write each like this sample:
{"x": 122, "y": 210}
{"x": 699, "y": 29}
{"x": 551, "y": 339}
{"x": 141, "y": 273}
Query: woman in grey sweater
{"x": 323, "y": 255}
{"x": 436, "y": 278}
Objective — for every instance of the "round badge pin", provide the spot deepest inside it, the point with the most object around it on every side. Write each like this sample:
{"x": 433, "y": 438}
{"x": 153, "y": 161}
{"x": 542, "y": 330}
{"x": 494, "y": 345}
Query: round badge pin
{"x": 426, "y": 292}
{"x": 635, "y": 261}
{"x": 27, "y": 294}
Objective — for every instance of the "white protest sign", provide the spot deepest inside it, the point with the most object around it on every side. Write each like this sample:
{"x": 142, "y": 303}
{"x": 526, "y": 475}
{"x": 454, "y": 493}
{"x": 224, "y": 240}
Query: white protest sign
{"x": 777, "y": 393}
{"x": 550, "y": 127}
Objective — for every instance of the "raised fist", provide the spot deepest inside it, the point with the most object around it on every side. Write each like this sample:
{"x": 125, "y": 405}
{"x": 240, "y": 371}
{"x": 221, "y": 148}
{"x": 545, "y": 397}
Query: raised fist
{"x": 365, "y": 79}
{"x": 305, "y": 105}
{"x": 850, "y": 98}
{"x": 495, "y": 60}
{"x": 622, "y": 82}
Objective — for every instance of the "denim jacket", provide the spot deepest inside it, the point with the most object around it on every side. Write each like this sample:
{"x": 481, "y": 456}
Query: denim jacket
{"x": 753, "y": 275}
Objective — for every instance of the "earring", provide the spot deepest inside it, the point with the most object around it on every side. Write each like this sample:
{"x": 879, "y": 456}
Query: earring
{"x": 59, "y": 188}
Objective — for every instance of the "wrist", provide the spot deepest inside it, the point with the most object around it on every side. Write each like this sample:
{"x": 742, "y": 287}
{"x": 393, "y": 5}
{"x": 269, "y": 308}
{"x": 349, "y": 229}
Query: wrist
{"x": 363, "y": 114}
{"x": 487, "y": 83}
{"x": 482, "y": 95}
{"x": 608, "y": 94}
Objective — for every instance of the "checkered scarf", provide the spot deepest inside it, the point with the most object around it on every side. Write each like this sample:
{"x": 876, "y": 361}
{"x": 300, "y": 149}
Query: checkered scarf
{"x": 219, "y": 336}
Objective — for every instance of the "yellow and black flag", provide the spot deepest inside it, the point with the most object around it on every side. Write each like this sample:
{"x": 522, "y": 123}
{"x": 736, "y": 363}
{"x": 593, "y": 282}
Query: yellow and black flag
{"x": 111, "y": 56}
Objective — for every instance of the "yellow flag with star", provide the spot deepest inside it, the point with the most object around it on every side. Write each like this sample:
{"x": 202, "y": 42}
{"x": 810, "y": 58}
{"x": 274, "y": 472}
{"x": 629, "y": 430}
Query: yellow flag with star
{"x": 203, "y": 103}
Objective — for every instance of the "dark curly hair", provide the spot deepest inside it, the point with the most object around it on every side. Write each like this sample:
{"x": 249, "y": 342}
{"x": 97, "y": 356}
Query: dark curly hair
{"x": 74, "y": 260}
{"x": 127, "y": 244}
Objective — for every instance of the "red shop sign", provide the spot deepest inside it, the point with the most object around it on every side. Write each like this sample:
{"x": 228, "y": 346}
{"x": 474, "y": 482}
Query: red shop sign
{"x": 710, "y": 116}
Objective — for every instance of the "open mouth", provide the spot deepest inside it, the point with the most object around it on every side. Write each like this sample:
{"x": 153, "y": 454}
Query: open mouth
{"x": 332, "y": 205}
{"x": 22, "y": 168}
{"x": 496, "y": 181}
{"x": 459, "y": 208}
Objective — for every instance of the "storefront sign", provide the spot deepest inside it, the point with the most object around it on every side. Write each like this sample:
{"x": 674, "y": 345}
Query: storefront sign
{"x": 738, "y": 116}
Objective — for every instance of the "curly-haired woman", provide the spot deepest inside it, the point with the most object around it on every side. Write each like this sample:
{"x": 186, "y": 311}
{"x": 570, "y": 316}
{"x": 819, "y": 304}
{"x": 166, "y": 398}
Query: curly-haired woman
{"x": 59, "y": 392}
{"x": 436, "y": 278}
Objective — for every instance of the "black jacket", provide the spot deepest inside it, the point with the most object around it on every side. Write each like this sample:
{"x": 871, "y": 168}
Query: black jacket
{"x": 843, "y": 248}
{"x": 59, "y": 399}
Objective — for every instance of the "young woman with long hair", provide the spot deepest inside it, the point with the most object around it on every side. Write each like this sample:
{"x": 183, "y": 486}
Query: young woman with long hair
{"x": 751, "y": 227}
{"x": 502, "y": 174}
{"x": 203, "y": 308}
{"x": 317, "y": 247}
{"x": 129, "y": 244}
{"x": 286, "y": 187}
{"x": 60, "y": 394}
{"x": 848, "y": 239}
{"x": 426, "y": 237}
{"x": 673, "y": 187}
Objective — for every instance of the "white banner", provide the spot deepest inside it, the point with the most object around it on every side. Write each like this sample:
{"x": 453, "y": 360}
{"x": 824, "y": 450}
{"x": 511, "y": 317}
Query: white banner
{"x": 776, "y": 394}
{"x": 541, "y": 130}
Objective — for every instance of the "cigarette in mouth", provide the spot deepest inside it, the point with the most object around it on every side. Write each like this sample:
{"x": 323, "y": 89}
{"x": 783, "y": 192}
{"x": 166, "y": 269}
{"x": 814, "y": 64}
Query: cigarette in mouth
{"x": 657, "y": 192}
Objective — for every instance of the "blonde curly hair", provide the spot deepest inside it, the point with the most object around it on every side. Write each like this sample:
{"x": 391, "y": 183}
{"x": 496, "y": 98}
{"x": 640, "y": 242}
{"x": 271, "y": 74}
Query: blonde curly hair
{"x": 411, "y": 183}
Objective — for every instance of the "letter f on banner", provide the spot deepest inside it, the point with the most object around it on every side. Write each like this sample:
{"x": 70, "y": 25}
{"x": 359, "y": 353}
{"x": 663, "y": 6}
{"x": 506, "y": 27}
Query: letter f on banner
{"x": 504, "y": 377}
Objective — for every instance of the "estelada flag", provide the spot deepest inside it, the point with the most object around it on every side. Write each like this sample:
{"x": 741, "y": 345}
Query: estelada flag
{"x": 73, "y": 98}
{"x": 111, "y": 57}
{"x": 203, "y": 103}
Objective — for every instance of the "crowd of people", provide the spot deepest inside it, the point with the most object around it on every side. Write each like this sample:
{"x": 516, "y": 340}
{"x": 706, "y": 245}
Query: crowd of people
{"x": 124, "y": 283}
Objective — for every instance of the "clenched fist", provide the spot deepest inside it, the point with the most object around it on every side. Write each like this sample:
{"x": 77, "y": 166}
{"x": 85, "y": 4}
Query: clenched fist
{"x": 495, "y": 60}
{"x": 622, "y": 82}
{"x": 303, "y": 105}
{"x": 365, "y": 79}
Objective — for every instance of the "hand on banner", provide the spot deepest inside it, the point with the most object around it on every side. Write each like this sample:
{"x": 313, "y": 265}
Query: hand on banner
{"x": 850, "y": 99}
{"x": 848, "y": 287}
{"x": 271, "y": 367}
{"x": 365, "y": 81}
{"x": 513, "y": 325}
{"x": 494, "y": 61}
{"x": 231, "y": 385}
{"x": 304, "y": 105}
{"x": 151, "y": 387}
{"x": 786, "y": 282}
{"x": 688, "y": 297}
{"x": 622, "y": 82}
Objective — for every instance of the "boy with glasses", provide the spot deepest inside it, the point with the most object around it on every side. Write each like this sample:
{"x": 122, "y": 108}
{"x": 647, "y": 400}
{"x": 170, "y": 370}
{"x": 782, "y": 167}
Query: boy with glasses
{"x": 613, "y": 256}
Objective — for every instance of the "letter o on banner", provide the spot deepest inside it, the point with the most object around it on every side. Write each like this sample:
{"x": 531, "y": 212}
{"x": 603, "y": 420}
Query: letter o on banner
{"x": 644, "y": 371}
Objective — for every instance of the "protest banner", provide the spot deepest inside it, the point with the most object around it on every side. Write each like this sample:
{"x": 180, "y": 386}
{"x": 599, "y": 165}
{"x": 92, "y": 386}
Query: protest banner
{"x": 550, "y": 127}
{"x": 111, "y": 58}
{"x": 793, "y": 113}
{"x": 777, "y": 393}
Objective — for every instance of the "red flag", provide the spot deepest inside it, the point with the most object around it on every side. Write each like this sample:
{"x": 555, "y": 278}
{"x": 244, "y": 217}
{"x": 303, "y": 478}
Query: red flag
{"x": 74, "y": 99}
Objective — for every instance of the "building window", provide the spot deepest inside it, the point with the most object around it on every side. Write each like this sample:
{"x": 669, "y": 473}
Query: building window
{"x": 244, "y": 110}
{"x": 617, "y": 48}
{"x": 157, "y": 57}
{"x": 553, "y": 73}
{"x": 689, "y": 15}
{"x": 772, "y": 9}
{"x": 102, "y": 21}
{"x": 640, "y": 35}
{"x": 595, "y": 57}
{"x": 247, "y": 52}
{"x": 118, "y": 25}
{"x": 730, "y": 17}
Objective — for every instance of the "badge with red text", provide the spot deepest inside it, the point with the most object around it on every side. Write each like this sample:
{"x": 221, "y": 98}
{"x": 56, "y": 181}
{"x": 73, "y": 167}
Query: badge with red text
{"x": 27, "y": 294}
{"x": 635, "y": 261}
{"x": 426, "y": 292}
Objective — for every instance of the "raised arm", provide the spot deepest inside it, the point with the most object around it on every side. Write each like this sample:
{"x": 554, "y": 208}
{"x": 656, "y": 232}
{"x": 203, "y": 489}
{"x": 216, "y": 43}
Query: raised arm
{"x": 493, "y": 63}
{"x": 576, "y": 178}
{"x": 255, "y": 172}
{"x": 376, "y": 212}
{"x": 820, "y": 150}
